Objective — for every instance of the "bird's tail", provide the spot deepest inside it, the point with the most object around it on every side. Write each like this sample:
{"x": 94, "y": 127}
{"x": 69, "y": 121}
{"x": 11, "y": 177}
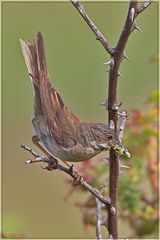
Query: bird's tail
{"x": 29, "y": 51}
{"x": 34, "y": 56}
{"x": 47, "y": 99}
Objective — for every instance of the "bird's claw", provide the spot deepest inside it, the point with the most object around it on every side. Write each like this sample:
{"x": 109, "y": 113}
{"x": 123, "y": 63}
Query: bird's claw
{"x": 52, "y": 165}
{"x": 48, "y": 168}
{"x": 78, "y": 180}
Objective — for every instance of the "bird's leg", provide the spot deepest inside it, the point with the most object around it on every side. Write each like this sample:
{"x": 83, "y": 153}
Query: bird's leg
{"x": 66, "y": 163}
{"x": 78, "y": 178}
{"x": 51, "y": 164}
{"x": 36, "y": 141}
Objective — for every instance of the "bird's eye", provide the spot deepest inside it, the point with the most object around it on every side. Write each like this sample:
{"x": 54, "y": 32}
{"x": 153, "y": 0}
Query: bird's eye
{"x": 110, "y": 137}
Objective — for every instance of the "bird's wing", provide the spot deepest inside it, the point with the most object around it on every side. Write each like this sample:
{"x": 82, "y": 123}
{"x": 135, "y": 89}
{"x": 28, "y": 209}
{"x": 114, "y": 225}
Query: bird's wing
{"x": 62, "y": 123}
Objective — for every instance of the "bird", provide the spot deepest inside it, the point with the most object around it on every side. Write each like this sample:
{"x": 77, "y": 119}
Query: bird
{"x": 57, "y": 130}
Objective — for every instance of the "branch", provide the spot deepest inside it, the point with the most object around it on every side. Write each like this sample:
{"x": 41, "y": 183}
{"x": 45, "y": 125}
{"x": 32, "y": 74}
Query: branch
{"x": 93, "y": 27}
{"x": 53, "y": 165}
{"x": 98, "y": 219}
{"x": 143, "y": 6}
{"x": 99, "y": 212}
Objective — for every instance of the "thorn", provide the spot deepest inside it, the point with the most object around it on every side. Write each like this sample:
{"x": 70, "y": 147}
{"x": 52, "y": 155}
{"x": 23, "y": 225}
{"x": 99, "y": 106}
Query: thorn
{"x": 110, "y": 63}
{"x": 107, "y": 63}
{"x": 103, "y": 104}
{"x": 124, "y": 166}
{"x": 135, "y": 27}
{"x": 138, "y": 28}
{"x": 126, "y": 57}
{"x": 111, "y": 124}
{"x": 113, "y": 210}
{"x": 28, "y": 161}
{"x": 120, "y": 75}
{"x": 131, "y": 14}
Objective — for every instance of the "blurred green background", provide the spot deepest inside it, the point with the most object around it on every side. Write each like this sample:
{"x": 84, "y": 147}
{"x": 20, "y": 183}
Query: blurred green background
{"x": 33, "y": 199}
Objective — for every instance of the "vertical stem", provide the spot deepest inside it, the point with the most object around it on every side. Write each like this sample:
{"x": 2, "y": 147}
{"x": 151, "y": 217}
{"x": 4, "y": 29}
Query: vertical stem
{"x": 112, "y": 115}
{"x": 113, "y": 157}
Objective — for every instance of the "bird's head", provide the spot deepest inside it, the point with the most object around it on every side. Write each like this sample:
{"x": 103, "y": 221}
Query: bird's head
{"x": 110, "y": 140}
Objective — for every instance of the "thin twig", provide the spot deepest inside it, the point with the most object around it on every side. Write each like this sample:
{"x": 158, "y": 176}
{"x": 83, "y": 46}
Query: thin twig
{"x": 53, "y": 165}
{"x": 99, "y": 35}
{"x": 104, "y": 184}
{"x": 98, "y": 219}
{"x": 99, "y": 212}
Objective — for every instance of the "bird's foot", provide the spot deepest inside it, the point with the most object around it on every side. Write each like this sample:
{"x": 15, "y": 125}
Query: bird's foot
{"x": 52, "y": 164}
{"x": 78, "y": 179}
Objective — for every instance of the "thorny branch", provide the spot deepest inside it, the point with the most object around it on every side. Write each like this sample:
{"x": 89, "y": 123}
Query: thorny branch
{"x": 117, "y": 55}
{"x": 53, "y": 164}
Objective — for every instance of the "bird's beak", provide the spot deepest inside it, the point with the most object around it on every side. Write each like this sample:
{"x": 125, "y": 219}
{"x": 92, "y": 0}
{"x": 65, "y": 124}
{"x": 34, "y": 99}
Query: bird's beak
{"x": 122, "y": 150}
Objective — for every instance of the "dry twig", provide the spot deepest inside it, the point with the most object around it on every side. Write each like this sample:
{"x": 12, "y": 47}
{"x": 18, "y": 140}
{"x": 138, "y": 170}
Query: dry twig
{"x": 53, "y": 164}
{"x": 99, "y": 35}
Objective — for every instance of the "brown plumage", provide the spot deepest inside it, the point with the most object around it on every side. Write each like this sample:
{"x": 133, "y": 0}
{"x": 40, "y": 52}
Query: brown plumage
{"x": 64, "y": 135}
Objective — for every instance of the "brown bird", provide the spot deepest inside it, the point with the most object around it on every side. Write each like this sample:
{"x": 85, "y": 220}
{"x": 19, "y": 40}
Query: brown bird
{"x": 63, "y": 134}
